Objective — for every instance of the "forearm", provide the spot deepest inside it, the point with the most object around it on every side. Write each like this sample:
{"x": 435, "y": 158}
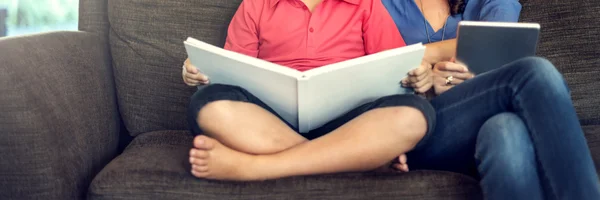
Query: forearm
{"x": 440, "y": 51}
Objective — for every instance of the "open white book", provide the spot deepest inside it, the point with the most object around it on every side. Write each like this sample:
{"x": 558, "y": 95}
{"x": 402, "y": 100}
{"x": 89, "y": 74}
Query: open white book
{"x": 309, "y": 99}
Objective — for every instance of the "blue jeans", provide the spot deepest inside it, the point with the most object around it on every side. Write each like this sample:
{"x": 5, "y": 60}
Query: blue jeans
{"x": 533, "y": 90}
{"x": 505, "y": 159}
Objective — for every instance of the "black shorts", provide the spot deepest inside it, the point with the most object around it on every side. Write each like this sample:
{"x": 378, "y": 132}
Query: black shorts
{"x": 218, "y": 92}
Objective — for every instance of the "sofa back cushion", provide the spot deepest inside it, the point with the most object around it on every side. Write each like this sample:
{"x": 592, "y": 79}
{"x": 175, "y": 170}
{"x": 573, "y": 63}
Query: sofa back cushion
{"x": 569, "y": 38}
{"x": 146, "y": 39}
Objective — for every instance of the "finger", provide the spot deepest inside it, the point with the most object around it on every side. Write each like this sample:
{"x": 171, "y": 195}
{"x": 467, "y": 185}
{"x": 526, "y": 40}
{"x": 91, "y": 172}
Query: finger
{"x": 448, "y": 66}
{"x": 415, "y": 78}
{"x": 412, "y": 79}
{"x": 406, "y": 82}
{"x": 191, "y": 82}
{"x": 457, "y": 81}
{"x": 198, "y": 77}
{"x": 190, "y": 68}
{"x": 424, "y": 75}
{"x": 417, "y": 72}
{"x": 455, "y": 75}
{"x": 424, "y": 88}
{"x": 420, "y": 83}
{"x": 458, "y": 75}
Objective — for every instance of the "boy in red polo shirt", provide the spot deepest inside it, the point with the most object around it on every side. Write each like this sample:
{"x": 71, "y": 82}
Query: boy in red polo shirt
{"x": 244, "y": 139}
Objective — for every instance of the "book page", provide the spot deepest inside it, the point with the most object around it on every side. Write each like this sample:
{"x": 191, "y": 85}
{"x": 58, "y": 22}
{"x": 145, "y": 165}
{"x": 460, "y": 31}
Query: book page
{"x": 347, "y": 85}
{"x": 274, "y": 84}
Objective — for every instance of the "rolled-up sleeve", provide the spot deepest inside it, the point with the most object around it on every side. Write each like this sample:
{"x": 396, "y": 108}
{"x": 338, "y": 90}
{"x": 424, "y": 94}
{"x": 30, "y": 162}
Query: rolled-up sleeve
{"x": 242, "y": 34}
{"x": 500, "y": 10}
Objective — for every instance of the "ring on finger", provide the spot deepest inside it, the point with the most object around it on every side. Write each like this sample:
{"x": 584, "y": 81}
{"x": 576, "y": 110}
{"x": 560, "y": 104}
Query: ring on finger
{"x": 449, "y": 80}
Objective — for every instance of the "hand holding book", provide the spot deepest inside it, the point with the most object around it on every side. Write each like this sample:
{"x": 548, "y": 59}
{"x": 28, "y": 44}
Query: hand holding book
{"x": 420, "y": 78}
{"x": 191, "y": 75}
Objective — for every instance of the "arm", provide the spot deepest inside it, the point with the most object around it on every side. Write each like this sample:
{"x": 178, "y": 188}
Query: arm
{"x": 491, "y": 10}
{"x": 379, "y": 30}
{"x": 440, "y": 51}
{"x": 242, "y": 34}
{"x": 242, "y": 37}
{"x": 380, "y": 33}
{"x": 58, "y": 114}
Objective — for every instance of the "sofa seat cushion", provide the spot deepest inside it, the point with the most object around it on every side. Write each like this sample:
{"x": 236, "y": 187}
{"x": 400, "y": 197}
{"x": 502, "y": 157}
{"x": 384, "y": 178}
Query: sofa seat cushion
{"x": 155, "y": 166}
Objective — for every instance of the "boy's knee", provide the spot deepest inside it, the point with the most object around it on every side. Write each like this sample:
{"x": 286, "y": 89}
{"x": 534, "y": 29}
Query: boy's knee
{"x": 211, "y": 101}
{"x": 413, "y": 116}
{"x": 408, "y": 122}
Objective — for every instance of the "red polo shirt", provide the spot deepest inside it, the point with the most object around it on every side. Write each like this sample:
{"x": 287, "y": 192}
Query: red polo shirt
{"x": 287, "y": 33}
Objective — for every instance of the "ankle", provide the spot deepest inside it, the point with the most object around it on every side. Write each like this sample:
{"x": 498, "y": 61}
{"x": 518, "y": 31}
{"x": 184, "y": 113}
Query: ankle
{"x": 264, "y": 167}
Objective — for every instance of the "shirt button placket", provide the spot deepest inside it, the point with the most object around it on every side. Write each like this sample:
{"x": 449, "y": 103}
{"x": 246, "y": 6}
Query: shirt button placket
{"x": 311, "y": 34}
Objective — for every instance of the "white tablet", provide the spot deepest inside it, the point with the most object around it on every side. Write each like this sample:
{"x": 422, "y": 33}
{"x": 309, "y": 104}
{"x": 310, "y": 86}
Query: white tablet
{"x": 484, "y": 46}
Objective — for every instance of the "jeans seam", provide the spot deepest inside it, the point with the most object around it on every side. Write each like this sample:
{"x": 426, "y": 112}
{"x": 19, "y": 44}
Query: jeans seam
{"x": 540, "y": 168}
{"x": 471, "y": 97}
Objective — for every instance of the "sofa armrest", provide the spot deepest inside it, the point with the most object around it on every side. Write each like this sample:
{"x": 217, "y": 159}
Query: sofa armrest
{"x": 58, "y": 115}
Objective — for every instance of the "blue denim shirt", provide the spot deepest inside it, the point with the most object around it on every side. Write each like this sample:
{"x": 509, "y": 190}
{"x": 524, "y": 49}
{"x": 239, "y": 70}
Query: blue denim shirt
{"x": 410, "y": 20}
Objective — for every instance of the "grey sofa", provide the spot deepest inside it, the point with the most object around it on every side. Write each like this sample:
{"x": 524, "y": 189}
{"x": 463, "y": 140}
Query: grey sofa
{"x": 70, "y": 100}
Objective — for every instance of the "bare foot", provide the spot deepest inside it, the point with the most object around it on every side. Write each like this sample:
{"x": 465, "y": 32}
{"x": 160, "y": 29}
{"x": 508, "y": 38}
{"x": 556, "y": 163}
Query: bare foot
{"x": 397, "y": 165}
{"x": 387, "y": 168}
{"x": 212, "y": 160}
{"x": 401, "y": 164}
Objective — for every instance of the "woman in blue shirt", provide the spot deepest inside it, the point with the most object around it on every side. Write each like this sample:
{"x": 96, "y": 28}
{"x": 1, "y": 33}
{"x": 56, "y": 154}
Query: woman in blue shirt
{"x": 514, "y": 127}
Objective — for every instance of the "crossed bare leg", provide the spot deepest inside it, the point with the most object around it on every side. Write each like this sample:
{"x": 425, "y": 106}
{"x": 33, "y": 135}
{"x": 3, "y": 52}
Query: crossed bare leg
{"x": 265, "y": 148}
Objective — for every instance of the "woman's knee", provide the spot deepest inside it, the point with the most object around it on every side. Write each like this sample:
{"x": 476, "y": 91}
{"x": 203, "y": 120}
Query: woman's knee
{"x": 540, "y": 71}
{"x": 505, "y": 139}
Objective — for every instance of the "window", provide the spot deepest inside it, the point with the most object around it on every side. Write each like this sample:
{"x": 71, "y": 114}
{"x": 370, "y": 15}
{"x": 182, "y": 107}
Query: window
{"x": 18, "y": 17}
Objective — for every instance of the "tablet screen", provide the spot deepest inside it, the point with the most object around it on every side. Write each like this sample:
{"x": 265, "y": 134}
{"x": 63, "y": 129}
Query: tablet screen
{"x": 485, "y": 46}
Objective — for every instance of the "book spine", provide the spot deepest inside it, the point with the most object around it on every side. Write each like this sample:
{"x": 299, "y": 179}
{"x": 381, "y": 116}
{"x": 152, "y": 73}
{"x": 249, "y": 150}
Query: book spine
{"x": 303, "y": 105}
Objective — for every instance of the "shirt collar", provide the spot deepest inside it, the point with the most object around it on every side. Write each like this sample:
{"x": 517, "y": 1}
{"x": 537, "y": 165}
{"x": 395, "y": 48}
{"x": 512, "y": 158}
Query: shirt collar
{"x": 355, "y": 2}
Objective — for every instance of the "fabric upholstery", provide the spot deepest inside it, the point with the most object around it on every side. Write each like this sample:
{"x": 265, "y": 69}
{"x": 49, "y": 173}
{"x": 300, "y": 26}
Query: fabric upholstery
{"x": 59, "y": 120}
{"x": 155, "y": 166}
{"x": 146, "y": 39}
{"x": 93, "y": 17}
{"x": 148, "y": 51}
{"x": 58, "y": 115}
{"x": 569, "y": 38}
{"x": 592, "y": 134}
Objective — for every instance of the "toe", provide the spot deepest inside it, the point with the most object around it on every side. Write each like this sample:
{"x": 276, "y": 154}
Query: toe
{"x": 203, "y": 142}
{"x": 200, "y": 168}
{"x": 199, "y": 154}
{"x": 401, "y": 167}
{"x": 199, "y": 174}
{"x": 397, "y": 167}
{"x": 198, "y": 161}
{"x": 402, "y": 159}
